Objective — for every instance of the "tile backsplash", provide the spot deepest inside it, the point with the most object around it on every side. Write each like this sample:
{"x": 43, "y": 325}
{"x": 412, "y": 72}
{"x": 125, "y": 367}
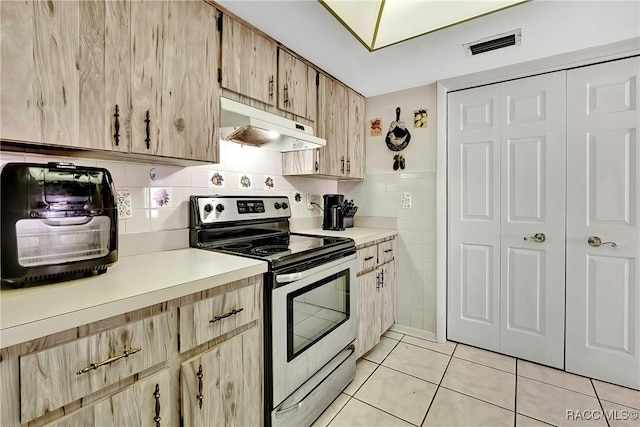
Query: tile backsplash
{"x": 159, "y": 194}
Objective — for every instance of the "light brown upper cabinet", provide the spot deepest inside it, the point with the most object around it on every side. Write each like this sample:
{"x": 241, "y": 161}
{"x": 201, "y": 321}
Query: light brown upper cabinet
{"x": 175, "y": 99}
{"x": 249, "y": 62}
{"x": 297, "y": 86}
{"x": 341, "y": 116}
{"x": 61, "y": 76}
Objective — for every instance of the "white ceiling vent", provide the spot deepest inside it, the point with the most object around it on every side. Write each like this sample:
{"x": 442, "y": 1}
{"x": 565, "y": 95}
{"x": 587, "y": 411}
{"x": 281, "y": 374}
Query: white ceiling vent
{"x": 512, "y": 38}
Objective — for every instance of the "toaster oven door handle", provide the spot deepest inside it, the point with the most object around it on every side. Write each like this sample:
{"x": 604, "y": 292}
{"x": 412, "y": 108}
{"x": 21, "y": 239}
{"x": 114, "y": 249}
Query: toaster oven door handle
{"x": 77, "y": 220}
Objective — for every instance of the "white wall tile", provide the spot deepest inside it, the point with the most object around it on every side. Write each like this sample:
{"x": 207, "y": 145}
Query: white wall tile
{"x": 169, "y": 218}
{"x": 137, "y": 175}
{"x": 8, "y": 157}
{"x": 139, "y": 221}
{"x": 116, "y": 169}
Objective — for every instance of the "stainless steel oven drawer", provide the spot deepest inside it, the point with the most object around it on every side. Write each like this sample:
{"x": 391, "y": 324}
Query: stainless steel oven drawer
{"x": 313, "y": 397}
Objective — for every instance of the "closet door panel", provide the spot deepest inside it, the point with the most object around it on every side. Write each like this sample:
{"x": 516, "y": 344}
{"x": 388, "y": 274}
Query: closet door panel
{"x": 603, "y": 295}
{"x": 532, "y": 164}
{"x": 474, "y": 221}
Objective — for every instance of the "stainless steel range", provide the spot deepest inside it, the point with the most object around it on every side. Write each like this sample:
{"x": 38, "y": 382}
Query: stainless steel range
{"x": 310, "y": 301}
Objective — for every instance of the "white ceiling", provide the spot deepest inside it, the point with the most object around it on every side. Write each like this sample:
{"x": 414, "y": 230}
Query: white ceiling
{"x": 548, "y": 28}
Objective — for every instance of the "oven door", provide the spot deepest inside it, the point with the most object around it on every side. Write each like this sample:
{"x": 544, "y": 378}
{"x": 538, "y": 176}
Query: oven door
{"x": 314, "y": 317}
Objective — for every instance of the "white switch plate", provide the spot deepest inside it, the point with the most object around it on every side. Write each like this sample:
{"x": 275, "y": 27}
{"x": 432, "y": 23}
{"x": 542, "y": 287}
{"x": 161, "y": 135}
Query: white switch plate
{"x": 406, "y": 200}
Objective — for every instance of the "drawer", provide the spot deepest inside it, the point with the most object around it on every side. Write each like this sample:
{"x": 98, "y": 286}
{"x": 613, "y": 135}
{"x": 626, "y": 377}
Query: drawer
{"x": 367, "y": 258}
{"x": 55, "y": 377}
{"x": 207, "y": 319}
{"x": 386, "y": 251}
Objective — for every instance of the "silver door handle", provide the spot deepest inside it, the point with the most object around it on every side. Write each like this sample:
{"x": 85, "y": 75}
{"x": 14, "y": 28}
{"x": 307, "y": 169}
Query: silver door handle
{"x": 538, "y": 238}
{"x": 595, "y": 241}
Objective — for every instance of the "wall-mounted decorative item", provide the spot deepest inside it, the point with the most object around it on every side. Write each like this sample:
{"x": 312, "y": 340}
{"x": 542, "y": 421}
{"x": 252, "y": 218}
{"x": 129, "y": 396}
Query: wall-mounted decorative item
{"x": 420, "y": 118}
{"x": 217, "y": 180}
{"x": 398, "y": 162}
{"x": 161, "y": 197}
{"x": 268, "y": 183}
{"x": 376, "y": 126}
{"x": 297, "y": 197}
{"x": 123, "y": 200}
{"x": 245, "y": 181}
{"x": 398, "y": 136}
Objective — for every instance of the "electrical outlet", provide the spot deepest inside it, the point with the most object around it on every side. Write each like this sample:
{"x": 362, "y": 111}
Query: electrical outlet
{"x": 406, "y": 200}
{"x": 309, "y": 200}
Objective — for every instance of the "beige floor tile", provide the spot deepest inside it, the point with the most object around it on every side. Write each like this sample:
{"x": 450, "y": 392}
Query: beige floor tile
{"x": 522, "y": 421}
{"x": 381, "y": 350}
{"x": 446, "y": 348}
{"x": 393, "y": 335}
{"x": 419, "y": 362}
{"x": 487, "y": 358}
{"x": 399, "y": 394}
{"x": 555, "y": 377}
{"x": 482, "y": 382}
{"x": 364, "y": 368}
{"x": 553, "y": 404}
{"x": 454, "y": 409}
{"x": 621, "y": 416}
{"x": 333, "y": 409}
{"x": 359, "y": 414}
{"x": 621, "y": 395}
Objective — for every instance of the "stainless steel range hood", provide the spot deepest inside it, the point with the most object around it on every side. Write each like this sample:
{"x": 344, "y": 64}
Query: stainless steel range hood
{"x": 248, "y": 125}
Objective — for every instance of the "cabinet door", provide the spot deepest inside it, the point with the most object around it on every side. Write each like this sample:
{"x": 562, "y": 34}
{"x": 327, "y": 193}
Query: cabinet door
{"x": 388, "y": 296}
{"x": 175, "y": 98}
{"x": 297, "y": 90}
{"x": 248, "y": 62}
{"x": 40, "y": 76}
{"x": 224, "y": 384}
{"x": 356, "y": 141}
{"x": 368, "y": 312}
{"x": 332, "y": 126}
{"x": 145, "y": 403}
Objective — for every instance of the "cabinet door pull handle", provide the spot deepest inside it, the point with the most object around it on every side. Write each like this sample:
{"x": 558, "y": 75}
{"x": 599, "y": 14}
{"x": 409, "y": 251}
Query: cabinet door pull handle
{"x": 147, "y": 139}
{"x": 317, "y": 166}
{"x": 156, "y": 396}
{"x": 386, "y": 251}
{"x": 199, "y": 396}
{"x": 382, "y": 277}
{"x": 94, "y": 366}
{"x": 378, "y": 282}
{"x": 286, "y": 93}
{"x": 116, "y": 136}
{"x": 342, "y": 168}
{"x": 224, "y": 316}
{"x": 369, "y": 258}
{"x": 348, "y": 165}
{"x": 271, "y": 87}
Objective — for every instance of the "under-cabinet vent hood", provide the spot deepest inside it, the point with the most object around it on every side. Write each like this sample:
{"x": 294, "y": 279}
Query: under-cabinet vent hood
{"x": 248, "y": 125}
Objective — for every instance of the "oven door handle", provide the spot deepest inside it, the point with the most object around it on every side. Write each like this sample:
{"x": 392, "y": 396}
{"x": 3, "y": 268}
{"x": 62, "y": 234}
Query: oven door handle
{"x": 291, "y": 277}
{"x": 346, "y": 353}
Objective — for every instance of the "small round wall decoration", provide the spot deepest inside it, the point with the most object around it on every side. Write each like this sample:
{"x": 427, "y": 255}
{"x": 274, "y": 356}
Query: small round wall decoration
{"x": 398, "y": 136}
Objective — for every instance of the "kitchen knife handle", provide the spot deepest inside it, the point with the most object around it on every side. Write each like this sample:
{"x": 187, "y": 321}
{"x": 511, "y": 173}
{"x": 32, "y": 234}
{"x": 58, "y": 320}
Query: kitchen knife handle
{"x": 148, "y": 130}
{"x": 116, "y": 136}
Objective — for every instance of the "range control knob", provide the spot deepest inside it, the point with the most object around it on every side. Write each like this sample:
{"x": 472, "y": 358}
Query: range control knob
{"x": 277, "y": 205}
{"x": 208, "y": 208}
{"x": 285, "y": 206}
{"x": 219, "y": 207}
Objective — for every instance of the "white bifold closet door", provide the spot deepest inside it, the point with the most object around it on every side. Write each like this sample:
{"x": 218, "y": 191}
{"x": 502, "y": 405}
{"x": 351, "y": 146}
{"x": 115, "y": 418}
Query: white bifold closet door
{"x": 506, "y": 157}
{"x": 603, "y": 290}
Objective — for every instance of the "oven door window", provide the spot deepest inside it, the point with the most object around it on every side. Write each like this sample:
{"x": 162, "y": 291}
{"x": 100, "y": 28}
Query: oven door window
{"x": 316, "y": 310}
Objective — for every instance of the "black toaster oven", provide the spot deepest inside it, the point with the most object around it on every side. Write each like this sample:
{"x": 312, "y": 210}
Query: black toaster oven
{"x": 58, "y": 221}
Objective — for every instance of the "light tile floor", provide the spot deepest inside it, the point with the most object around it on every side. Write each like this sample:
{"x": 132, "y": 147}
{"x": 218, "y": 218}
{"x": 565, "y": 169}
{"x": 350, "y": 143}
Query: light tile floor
{"x": 407, "y": 381}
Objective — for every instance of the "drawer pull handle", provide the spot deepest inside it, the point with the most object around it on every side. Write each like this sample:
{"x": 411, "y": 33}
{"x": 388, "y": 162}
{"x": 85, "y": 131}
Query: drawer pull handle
{"x": 386, "y": 251}
{"x": 369, "y": 258}
{"x": 94, "y": 366}
{"x": 156, "y": 396}
{"x": 224, "y": 316}
{"x": 199, "y": 396}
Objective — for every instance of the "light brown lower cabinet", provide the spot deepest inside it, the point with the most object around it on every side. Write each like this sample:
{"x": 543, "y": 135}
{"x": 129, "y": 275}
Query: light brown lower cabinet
{"x": 223, "y": 385}
{"x": 145, "y": 403}
{"x": 130, "y": 370}
{"x": 376, "y": 292}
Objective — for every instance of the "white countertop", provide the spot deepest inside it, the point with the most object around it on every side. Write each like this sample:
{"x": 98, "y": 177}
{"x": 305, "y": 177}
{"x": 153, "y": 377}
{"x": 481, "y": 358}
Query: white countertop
{"x": 132, "y": 283}
{"x": 361, "y": 235}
